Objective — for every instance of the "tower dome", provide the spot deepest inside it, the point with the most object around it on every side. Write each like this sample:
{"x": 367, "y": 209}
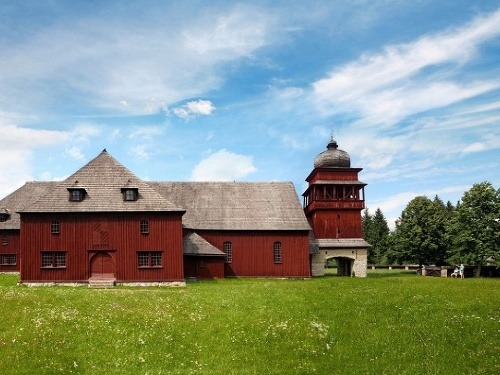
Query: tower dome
{"x": 332, "y": 157}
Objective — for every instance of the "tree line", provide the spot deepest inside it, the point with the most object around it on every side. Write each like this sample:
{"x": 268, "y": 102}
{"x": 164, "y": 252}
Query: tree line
{"x": 432, "y": 232}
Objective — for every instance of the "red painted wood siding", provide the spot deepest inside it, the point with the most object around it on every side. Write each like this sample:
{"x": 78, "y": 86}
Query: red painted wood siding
{"x": 81, "y": 235}
{"x": 336, "y": 224}
{"x": 252, "y": 252}
{"x": 12, "y": 247}
{"x": 203, "y": 267}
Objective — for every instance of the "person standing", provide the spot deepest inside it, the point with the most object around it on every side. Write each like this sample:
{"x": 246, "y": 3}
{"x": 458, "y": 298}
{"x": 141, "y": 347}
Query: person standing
{"x": 461, "y": 270}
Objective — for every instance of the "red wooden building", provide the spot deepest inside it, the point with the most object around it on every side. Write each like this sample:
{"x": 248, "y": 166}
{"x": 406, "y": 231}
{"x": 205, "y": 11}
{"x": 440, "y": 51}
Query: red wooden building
{"x": 104, "y": 224}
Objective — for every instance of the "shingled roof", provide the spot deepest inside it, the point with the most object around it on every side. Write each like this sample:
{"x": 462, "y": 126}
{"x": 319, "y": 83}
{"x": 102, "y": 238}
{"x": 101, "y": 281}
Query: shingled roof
{"x": 21, "y": 198}
{"x": 194, "y": 244}
{"x": 103, "y": 179}
{"x": 236, "y": 205}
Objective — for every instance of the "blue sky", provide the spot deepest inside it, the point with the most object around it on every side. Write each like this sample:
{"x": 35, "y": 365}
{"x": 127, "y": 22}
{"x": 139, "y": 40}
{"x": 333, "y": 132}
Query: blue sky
{"x": 221, "y": 90}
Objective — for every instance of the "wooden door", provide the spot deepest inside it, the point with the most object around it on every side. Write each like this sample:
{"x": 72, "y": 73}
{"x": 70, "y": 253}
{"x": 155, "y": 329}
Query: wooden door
{"x": 102, "y": 266}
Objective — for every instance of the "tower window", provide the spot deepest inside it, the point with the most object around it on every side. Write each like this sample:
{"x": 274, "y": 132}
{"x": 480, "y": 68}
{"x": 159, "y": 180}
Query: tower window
{"x": 5, "y": 240}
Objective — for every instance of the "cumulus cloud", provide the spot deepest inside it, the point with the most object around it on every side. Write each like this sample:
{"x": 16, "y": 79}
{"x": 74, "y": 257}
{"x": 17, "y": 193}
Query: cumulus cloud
{"x": 194, "y": 109}
{"x": 16, "y": 153}
{"x": 223, "y": 165}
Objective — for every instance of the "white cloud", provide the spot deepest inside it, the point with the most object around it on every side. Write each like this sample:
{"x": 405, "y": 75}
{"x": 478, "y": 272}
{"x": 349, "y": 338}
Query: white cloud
{"x": 16, "y": 153}
{"x": 146, "y": 133}
{"x": 237, "y": 33}
{"x": 194, "y": 109}
{"x": 136, "y": 67}
{"x": 140, "y": 151}
{"x": 223, "y": 166}
{"x": 391, "y": 85}
{"x": 85, "y": 132}
{"x": 75, "y": 152}
{"x": 393, "y": 206}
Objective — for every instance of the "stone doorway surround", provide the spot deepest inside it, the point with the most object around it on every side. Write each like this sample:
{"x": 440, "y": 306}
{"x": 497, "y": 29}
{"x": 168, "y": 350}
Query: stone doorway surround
{"x": 354, "y": 249}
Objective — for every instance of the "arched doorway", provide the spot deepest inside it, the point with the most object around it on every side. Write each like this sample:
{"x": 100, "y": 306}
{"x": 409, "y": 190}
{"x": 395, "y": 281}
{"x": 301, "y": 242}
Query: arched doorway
{"x": 344, "y": 266}
{"x": 102, "y": 266}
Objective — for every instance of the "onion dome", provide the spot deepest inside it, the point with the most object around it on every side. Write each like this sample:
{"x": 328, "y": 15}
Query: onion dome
{"x": 332, "y": 157}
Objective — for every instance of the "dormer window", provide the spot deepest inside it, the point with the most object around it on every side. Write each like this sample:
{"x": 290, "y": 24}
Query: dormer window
{"x": 77, "y": 193}
{"x": 4, "y": 214}
{"x": 130, "y": 192}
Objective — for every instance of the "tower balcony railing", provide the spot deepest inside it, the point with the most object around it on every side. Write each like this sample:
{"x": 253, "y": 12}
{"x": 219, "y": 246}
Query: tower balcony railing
{"x": 324, "y": 204}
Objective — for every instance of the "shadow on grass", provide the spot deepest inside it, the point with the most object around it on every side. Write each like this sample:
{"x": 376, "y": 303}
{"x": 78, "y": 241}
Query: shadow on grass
{"x": 390, "y": 273}
{"x": 380, "y": 273}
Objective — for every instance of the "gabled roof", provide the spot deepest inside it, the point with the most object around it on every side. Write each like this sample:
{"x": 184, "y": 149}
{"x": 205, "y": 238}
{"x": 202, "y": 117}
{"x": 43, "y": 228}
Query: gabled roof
{"x": 21, "y": 198}
{"x": 102, "y": 179}
{"x": 198, "y": 246}
{"x": 236, "y": 205}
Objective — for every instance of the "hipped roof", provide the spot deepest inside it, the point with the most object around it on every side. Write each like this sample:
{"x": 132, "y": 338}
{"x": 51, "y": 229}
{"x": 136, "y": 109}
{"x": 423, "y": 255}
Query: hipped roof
{"x": 21, "y": 198}
{"x": 103, "y": 179}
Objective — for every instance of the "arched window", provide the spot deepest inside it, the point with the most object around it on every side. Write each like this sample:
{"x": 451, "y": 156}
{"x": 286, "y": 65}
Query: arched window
{"x": 228, "y": 250}
{"x": 144, "y": 227}
{"x": 277, "y": 252}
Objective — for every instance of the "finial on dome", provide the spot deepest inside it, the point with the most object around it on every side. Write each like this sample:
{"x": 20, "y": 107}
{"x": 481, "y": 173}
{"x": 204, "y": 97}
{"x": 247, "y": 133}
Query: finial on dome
{"x": 332, "y": 157}
{"x": 332, "y": 144}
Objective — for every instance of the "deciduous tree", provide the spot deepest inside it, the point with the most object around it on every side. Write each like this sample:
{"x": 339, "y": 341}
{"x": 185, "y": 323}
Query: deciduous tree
{"x": 477, "y": 226}
{"x": 420, "y": 233}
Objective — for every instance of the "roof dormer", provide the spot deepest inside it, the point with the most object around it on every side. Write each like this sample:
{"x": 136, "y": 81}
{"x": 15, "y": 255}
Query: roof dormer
{"x": 130, "y": 192}
{"x": 4, "y": 214}
{"x": 77, "y": 192}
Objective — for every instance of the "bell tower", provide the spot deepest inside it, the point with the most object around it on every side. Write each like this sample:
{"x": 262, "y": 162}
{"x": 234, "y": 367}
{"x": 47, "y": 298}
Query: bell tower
{"x": 333, "y": 203}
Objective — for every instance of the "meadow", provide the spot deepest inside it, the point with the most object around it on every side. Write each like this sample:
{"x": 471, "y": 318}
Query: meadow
{"x": 389, "y": 323}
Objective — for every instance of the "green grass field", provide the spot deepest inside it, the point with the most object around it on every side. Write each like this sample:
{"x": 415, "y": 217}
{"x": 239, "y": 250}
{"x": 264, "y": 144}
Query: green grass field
{"x": 389, "y": 323}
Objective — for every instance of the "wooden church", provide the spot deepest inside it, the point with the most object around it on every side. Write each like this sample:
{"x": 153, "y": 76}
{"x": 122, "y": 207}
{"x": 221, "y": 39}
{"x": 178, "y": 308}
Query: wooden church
{"x": 104, "y": 224}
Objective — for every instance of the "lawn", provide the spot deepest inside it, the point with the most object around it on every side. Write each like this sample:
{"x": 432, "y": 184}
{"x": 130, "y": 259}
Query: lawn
{"x": 388, "y": 323}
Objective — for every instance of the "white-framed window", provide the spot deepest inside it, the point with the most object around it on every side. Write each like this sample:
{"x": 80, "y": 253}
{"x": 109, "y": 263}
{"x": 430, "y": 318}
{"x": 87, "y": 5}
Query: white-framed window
{"x": 228, "y": 251}
{"x": 277, "y": 252}
{"x": 8, "y": 259}
{"x": 144, "y": 227}
{"x": 53, "y": 259}
{"x": 149, "y": 259}
{"x": 55, "y": 227}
